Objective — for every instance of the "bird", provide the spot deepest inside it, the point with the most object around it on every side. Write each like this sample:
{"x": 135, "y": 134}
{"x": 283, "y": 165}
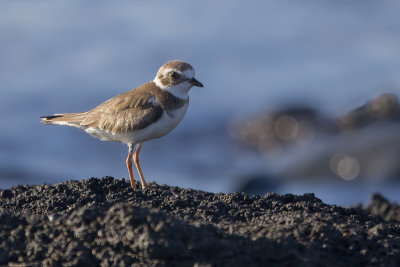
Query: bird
{"x": 146, "y": 112}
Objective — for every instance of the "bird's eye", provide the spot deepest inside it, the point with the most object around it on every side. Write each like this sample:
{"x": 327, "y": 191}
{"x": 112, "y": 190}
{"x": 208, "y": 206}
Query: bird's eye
{"x": 174, "y": 75}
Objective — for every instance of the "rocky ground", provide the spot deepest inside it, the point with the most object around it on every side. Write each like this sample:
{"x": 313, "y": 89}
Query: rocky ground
{"x": 104, "y": 222}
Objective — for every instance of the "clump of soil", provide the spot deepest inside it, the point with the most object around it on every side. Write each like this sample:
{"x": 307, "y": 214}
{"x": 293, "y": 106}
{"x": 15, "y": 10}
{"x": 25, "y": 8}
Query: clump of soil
{"x": 104, "y": 222}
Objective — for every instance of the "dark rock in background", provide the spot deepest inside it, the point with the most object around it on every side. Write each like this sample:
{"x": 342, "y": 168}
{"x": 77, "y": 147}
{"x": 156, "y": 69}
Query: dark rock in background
{"x": 380, "y": 206}
{"x": 382, "y": 108}
{"x": 364, "y": 143}
{"x": 104, "y": 222}
{"x": 256, "y": 184}
{"x": 284, "y": 127}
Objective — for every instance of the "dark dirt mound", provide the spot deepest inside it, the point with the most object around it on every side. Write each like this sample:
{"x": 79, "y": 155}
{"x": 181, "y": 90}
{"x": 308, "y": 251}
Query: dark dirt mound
{"x": 380, "y": 206}
{"x": 104, "y": 222}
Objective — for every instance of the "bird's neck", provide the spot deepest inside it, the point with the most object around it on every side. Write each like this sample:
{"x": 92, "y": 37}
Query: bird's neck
{"x": 180, "y": 90}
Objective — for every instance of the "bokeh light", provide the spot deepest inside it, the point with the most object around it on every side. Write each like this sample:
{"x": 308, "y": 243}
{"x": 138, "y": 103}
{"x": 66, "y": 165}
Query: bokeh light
{"x": 287, "y": 128}
{"x": 345, "y": 166}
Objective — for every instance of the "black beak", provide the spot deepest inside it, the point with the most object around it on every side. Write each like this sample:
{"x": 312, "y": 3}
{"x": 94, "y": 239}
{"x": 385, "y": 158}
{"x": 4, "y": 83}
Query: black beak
{"x": 195, "y": 82}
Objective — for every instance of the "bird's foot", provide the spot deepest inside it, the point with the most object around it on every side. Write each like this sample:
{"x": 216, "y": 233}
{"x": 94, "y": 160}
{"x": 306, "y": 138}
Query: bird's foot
{"x": 144, "y": 185}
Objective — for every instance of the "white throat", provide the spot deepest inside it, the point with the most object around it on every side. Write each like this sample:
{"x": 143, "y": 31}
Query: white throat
{"x": 180, "y": 90}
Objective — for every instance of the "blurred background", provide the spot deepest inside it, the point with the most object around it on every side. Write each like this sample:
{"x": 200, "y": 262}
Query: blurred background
{"x": 299, "y": 96}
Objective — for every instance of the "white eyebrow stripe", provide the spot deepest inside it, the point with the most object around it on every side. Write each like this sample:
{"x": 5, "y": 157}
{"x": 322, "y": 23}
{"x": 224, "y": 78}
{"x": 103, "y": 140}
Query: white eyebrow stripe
{"x": 189, "y": 73}
{"x": 169, "y": 70}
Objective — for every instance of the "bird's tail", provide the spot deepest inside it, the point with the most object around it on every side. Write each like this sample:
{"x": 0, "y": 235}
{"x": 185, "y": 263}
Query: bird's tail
{"x": 69, "y": 119}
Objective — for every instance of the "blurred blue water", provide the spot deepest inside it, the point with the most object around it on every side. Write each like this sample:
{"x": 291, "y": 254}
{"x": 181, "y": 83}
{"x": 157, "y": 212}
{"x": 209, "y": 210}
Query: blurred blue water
{"x": 251, "y": 56}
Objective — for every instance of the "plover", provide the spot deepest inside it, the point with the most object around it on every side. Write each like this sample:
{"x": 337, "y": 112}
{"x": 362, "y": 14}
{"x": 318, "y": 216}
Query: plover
{"x": 149, "y": 111}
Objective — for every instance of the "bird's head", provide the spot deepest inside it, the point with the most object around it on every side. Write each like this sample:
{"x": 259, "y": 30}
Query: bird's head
{"x": 176, "y": 77}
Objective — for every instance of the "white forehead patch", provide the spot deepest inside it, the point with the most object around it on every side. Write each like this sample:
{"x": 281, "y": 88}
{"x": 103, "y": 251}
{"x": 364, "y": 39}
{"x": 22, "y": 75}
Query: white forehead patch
{"x": 189, "y": 73}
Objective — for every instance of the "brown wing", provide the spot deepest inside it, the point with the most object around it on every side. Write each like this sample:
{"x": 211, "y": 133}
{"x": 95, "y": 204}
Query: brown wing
{"x": 132, "y": 110}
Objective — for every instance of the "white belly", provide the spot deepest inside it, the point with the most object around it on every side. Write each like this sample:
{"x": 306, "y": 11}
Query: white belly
{"x": 164, "y": 125}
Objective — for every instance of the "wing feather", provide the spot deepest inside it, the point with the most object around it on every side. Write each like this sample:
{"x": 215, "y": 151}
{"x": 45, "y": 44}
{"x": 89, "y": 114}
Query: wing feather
{"x": 133, "y": 110}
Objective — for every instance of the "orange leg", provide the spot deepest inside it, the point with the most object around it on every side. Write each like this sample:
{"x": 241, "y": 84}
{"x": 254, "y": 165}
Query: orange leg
{"x": 136, "y": 160}
{"x": 129, "y": 165}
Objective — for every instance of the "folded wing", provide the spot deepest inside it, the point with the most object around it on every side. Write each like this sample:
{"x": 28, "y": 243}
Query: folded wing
{"x": 133, "y": 110}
